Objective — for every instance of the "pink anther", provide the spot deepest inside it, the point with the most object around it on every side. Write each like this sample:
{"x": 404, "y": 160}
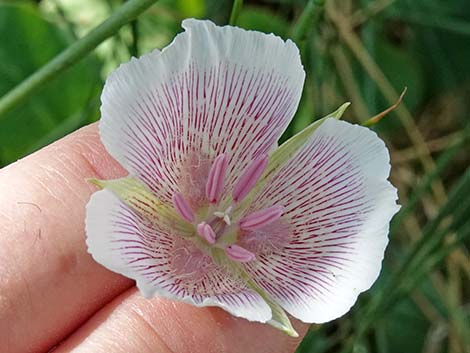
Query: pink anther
{"x": 249, "y": 179}
{"x": 182, "y": 207}
{"x": 206, "y": 232}
{"x": 215, "y": 182}
{"x": 239, "y": 254}
{"x": 261, "y": 218}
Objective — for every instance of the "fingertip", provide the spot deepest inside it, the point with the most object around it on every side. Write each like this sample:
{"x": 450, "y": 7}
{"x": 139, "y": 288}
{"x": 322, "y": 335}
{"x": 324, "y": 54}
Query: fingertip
{"x": 186, "y": 328}
{"x": 164, "y": 326}
{"x": 240, "y": 335}
{"x": 43, "y": 198}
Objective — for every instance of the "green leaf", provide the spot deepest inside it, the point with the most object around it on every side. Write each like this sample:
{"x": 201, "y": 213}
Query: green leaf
{"x": 407, "y": 322}
{"x": 29, "y": 42}
{"x": 317, "y": 341}
{"x": 191, "y": 8}
{"x": 263, "y": 20}
{"x": 403, "y": 70}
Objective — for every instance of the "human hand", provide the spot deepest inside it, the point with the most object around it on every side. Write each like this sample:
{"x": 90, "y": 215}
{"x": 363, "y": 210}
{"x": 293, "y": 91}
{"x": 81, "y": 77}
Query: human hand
{"x": 52, "y": 293}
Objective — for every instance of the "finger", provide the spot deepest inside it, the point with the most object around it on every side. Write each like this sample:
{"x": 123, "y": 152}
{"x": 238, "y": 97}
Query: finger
{"x": 133, "y": 324}
{"x": 49, "y": 284}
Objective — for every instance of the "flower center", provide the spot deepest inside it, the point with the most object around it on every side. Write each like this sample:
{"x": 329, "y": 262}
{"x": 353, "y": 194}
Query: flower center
{"x": 217, "y": 228}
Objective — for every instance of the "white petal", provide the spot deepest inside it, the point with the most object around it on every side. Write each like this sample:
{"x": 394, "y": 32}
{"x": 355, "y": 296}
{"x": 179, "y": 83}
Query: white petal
{"x": 338, "y": 205}
{"x": 213, "y": 90}
{"x": 163, "y": 263}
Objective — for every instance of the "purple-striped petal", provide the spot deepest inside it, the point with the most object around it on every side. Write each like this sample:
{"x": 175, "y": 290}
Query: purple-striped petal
{"x": 338, "y": 205}
{"x": 162, "y": 262}
{"x": 213, "y": 90}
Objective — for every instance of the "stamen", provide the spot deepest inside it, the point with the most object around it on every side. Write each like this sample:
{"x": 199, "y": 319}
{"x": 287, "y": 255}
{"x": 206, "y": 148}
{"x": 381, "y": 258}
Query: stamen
{"x": 206, "y": 232}
{"x": 182, "y": 207}
{"x": 239, "y": 254}
{"x": 248, "y": 180}
{"x": 261, "y": 218}
{"x": 215, "y": 182}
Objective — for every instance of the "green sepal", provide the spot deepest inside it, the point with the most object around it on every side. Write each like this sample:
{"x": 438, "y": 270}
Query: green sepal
{"x": 285, "y": 152}
{"x": 134, "y": 194}
{"x": 291, "y": 146}
{"x": 139, "y": 198}
{"x": 280, "y": 320}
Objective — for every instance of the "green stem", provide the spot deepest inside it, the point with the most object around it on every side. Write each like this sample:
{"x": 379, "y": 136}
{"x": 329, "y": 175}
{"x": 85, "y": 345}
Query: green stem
{"x": 134, "y": 49}
{"x": 73, "y": 54}
{"x": 236, "y": 8}
{"x": 369, "y": 34}
{"x": 307, "y": 19}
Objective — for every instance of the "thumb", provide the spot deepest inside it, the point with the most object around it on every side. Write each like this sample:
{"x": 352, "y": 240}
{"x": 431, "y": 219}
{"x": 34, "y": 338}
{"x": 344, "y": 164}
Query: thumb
{"x": 131, "y": 323}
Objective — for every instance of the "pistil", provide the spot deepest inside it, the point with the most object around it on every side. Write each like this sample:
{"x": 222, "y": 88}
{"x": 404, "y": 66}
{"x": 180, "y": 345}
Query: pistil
{"x": 225, "y": 215}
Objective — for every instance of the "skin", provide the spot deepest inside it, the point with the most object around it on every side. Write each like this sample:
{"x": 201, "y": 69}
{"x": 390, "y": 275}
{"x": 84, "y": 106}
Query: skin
{"x": 53, "y": 294}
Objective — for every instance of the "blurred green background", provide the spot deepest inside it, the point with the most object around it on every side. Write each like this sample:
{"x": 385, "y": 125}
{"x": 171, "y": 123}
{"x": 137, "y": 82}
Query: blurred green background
{"x": 363, "y": 51}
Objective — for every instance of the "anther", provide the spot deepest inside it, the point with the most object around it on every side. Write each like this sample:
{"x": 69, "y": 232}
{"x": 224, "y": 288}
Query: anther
{"x": 261, "y": 218}
{"x": 206, "y": 232}
{"x": 239, "y": 254}
{"x": 215, "y": 182}
{"x": 182, "y": 207}
{"x": 249, "y": 179}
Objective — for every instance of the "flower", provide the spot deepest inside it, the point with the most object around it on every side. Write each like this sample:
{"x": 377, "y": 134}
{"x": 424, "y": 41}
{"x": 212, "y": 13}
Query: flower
{"x": 213, "y": 212}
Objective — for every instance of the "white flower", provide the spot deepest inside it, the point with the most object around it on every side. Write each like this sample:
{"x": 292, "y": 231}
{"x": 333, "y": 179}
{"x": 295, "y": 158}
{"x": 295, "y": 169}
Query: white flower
{"x": 213, "y": 212}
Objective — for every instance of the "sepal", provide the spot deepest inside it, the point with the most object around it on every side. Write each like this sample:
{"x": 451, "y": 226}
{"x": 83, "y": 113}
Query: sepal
{"x": 140, "y": 199}
{"x": 286, "y": 151}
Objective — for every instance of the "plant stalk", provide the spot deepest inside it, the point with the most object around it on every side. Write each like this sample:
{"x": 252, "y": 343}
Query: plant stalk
{"x": 73, "y": 53}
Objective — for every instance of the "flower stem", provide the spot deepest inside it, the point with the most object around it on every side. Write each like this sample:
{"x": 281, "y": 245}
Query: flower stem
{"x": 307, "y": 19}
{"x": 236, "y": 8}
{"x": 73, "y": 53}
